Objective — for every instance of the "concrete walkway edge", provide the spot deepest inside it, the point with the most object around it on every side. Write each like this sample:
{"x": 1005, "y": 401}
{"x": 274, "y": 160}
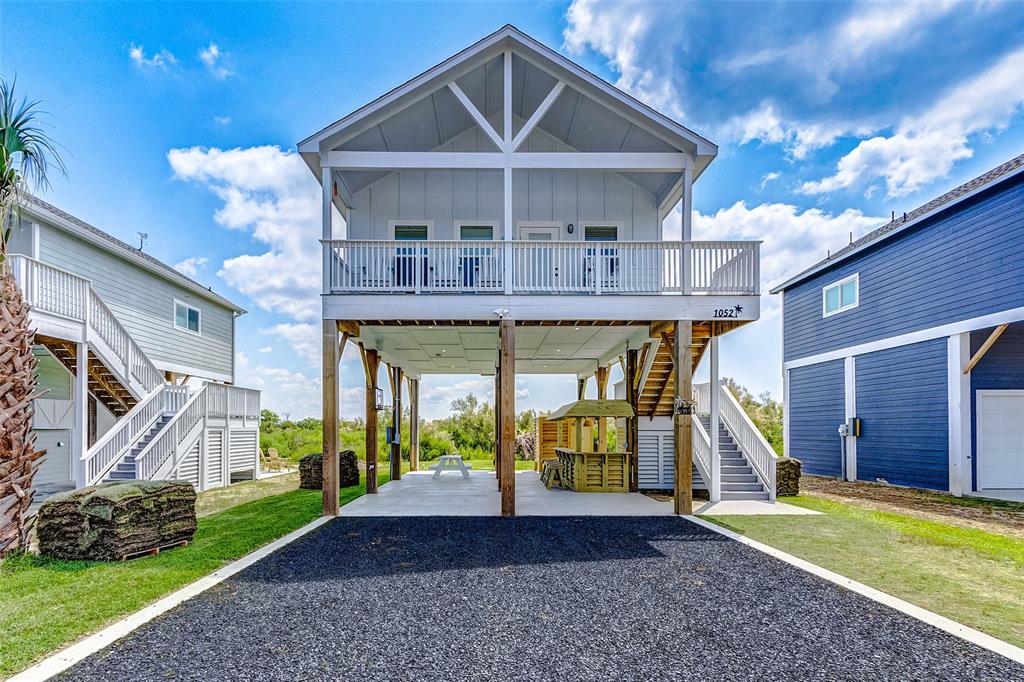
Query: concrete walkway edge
{"x": 1014, "y": 653}
{"x": 67, "y": 657}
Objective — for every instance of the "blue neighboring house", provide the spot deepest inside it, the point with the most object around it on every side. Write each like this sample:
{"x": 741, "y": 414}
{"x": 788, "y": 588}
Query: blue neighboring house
{"x": 917, "y": 330}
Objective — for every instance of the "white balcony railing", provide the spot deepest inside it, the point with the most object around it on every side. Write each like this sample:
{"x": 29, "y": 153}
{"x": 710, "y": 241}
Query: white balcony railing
{"x": 58, "y": 292}
{"x": 536, "y": 267}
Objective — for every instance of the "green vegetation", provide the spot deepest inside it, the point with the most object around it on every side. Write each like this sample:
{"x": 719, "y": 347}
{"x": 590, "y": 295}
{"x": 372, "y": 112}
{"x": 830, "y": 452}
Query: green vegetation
{"x": 46, "y": 604}
{"x": 764, "y": 411}
{"x": 973, "y": 576}
{"x": 469, "y": 430}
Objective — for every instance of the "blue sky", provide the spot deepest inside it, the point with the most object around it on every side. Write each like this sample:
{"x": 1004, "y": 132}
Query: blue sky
{"x": 180, "y": 120}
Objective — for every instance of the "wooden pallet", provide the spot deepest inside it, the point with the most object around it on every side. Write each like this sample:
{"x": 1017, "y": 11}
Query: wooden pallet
{"x": 154, "y": 551}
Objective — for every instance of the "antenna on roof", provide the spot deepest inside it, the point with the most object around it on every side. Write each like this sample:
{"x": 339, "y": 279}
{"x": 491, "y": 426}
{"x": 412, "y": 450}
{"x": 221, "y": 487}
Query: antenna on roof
{"x": 851, "y": 237}
{"x": 143, "y": 236}
{"x": 893, "y": 219}
{"x": 904, "y": 216}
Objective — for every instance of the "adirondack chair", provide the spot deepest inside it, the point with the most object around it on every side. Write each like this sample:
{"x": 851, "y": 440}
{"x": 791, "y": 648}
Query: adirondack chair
{"x": 274, "y": 461}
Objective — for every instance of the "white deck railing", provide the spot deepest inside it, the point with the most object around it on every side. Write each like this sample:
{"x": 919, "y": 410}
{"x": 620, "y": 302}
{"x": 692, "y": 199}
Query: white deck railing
{"x": 373, "y": 266}
{"x": 117, "y": 442}
{"x": 749, "y": 439}
{"x": 51, "y": 290}
{"x": 211, "y": 401}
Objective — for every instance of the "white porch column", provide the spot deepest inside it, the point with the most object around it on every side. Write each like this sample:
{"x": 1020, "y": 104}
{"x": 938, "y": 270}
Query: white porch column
{"x": 509, "y": 233}
{"x": 80, "y": 437}
{"x": 958, "y": 390}
{"x": 507, "y": 139}
{"x": 851, "y": 411}
{"x": 328, "y": 229}
{"x": 715, "y": 390}
{"x": 687, "y": 233}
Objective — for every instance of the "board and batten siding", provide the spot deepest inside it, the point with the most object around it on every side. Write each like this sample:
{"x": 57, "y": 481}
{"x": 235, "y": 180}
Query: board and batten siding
{"x": 144, "y": 304}
{"x": 1001, "y": 368}
{"x": 902, "y": 405}
{"x": 963, "y": 263}
{"x": 817, "y": 406}
{"x": 444, "y": 197}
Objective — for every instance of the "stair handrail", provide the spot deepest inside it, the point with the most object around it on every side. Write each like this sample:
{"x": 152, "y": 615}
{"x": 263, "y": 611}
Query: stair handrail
{"x": 54, "y": 290}
{"x": 702, "y": 451}
{"x": 122, "y": 436}
{"x": 167, "y": 442}
{"x": 750, "y": 440}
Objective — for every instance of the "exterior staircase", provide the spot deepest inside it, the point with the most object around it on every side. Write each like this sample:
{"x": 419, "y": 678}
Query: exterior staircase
{"x": 126, "y": 468}
{"x": 739, "y": 482}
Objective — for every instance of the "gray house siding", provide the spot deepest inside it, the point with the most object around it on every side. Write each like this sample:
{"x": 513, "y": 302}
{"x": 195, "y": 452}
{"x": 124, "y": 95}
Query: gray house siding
{"x": 817, "y": 407}
{"x": 966, "y": 262}
{"x": 445, "y": 197}
{"x": 1001, "y": 368}
{"x": 144, "y": 304}
{"x": 902, "y": 405}
{"x": 21, "y": 238}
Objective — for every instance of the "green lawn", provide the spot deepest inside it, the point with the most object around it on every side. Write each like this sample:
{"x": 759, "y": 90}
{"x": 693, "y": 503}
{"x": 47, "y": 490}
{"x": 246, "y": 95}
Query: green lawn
{"x": 46, "y": 604}
{"x": 971, "y": 576}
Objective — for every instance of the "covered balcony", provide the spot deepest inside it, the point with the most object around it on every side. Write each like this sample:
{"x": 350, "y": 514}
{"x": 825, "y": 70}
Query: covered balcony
{"x": 542, "y": 267}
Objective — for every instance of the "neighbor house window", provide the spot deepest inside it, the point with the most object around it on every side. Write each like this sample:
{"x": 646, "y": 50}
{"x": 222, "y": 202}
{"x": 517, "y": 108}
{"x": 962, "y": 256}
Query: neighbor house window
{"x": 186, "y": 317}
{"x": 601, "y": 233}
{"x": 841, "y": 295}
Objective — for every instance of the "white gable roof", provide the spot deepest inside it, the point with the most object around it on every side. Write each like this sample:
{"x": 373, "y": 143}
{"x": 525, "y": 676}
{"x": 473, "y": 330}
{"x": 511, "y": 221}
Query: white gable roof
{"x": 535, "y": 53}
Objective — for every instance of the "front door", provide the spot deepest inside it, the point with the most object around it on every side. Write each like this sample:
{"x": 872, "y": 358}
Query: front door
{"x": 407, "y": 260}
{"x": 537, "y": 271}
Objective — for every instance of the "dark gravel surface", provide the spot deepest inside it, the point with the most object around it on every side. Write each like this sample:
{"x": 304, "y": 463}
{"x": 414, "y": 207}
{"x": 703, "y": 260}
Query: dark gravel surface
{"x": 533, "y": 598}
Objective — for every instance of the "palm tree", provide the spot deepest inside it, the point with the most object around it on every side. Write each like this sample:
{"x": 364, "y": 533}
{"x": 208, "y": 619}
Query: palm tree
{"x": 26, "y": 157}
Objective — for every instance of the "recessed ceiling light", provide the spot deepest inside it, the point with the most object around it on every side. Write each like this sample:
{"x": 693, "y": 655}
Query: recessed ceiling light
{"x": 444, "y": 350}
{"x": 576, "y": 329}
{"x": 558, "y": 350}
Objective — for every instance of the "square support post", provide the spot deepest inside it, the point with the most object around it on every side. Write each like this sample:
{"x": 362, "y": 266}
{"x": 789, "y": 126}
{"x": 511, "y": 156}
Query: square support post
{"x": 507, "y": 402}
{"x": 396, "y": 423}
{"x": 497, "y": 421}
{"x": 414, "y": 424}
{"x": 80, "y": 444}
{"x": 714, "y": 399}
{"x": 602, "y": 422}
{"x": 331, "y": 472}
{"x": 632, "y": 436}
{"x": 683, "y": 422}
{"x": 371, "y": 363}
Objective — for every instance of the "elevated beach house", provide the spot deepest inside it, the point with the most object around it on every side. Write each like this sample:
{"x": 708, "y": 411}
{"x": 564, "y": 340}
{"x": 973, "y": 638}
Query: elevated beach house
{"x": 136, "y": 361}
{"x": 912, "y": 339}
{"x": 503, "y": 212}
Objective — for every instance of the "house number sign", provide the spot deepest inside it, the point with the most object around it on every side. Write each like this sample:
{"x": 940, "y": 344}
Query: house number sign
{"x": 732, "y": 312}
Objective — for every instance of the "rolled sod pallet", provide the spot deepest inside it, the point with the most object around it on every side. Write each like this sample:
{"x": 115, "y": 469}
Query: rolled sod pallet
{"x": 114, "y": 521}
{"x": 787, "y": 476}
{"x": 311, "y": 470}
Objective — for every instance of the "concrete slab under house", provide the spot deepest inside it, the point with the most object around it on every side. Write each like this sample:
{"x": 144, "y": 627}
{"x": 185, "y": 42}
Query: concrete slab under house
{"x": 503, "y": 213}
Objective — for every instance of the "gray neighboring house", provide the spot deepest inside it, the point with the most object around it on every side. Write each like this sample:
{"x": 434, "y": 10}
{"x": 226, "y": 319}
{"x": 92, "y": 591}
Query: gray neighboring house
{"x": 136, "y": 361}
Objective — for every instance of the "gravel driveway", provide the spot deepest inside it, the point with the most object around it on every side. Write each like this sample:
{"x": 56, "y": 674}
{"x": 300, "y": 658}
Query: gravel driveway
{"x": 570, "y": 598}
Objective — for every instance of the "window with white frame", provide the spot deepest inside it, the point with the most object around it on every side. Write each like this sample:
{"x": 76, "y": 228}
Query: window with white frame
{"x": 186, "y": 317}
{"x": 600, "y": 233}
{"x": 475, "y": 230}
{"x": 841, "y": 295}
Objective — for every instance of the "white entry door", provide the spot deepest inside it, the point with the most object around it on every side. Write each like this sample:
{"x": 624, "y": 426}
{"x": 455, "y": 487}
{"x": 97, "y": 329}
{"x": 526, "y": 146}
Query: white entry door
{"x": 537, "y": 266}
{"x": 1000, "y": 427}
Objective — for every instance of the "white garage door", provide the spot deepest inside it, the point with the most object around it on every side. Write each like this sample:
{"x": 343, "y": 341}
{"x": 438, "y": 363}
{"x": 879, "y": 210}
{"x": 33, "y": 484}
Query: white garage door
{"x": 1000, "y": 439}
{"x": 56, "y": 466}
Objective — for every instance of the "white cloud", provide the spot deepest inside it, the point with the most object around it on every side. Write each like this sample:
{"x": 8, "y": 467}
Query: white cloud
{"x": 304, "y": 338}
{"x": 765, "y": 124}
{"x": 190, "y": 267}
{"x": 266, "y": 349}
{"x": 270, "y": 194}
{"x": 162, "y": 60}
{"x": 621, "y": 32}
{"x": 871, "y": 32}
{"x": 213, "y": 58}
{"x": 791, "y": 238}
{"x": 284, "y": 391}
{"x": 924, "y": 147}
{"x": 222, "y": 120}
{"x": 771, "y": 176}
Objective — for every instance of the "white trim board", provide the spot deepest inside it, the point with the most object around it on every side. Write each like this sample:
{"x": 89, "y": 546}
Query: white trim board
{"x": 983, "y": 322}
{"x": 947, "y": 625}
{"x": 65, "y": 658}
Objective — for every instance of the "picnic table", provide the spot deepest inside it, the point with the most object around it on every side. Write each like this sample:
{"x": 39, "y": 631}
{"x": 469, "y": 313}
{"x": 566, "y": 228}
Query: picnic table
{"x": 451, "y": 463}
